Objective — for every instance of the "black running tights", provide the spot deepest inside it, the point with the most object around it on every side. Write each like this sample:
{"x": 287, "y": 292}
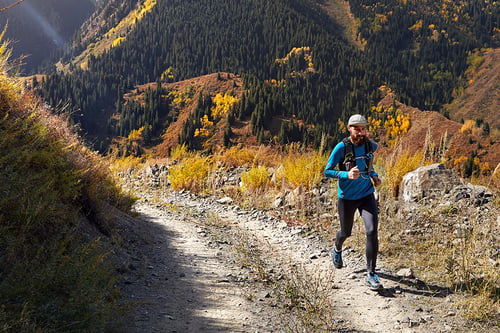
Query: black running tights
{"x": 367, "y": 207}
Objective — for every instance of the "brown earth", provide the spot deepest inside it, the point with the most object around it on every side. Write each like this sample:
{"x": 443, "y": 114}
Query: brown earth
{"x": 481, "y": 99}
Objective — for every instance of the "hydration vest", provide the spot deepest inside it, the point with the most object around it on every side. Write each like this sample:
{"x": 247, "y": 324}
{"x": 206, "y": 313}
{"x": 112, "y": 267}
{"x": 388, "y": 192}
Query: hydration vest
{"x": 349, "y": 161}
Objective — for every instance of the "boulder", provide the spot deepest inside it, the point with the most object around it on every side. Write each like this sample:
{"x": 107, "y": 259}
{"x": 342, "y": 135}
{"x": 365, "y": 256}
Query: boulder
{"x": 431, "y": 181}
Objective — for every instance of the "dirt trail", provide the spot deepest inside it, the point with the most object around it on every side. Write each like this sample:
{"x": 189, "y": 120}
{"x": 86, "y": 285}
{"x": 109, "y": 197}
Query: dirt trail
{"x": 189, "y": 279}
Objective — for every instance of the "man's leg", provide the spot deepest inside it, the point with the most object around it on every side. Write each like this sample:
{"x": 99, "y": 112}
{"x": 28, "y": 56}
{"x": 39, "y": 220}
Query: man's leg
{"x": 346, "y": 209}
{"x": 369, "y": 214}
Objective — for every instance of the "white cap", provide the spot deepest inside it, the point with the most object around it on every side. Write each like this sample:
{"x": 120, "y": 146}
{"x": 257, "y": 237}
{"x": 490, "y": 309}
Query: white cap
{"x": 358, "y": 120}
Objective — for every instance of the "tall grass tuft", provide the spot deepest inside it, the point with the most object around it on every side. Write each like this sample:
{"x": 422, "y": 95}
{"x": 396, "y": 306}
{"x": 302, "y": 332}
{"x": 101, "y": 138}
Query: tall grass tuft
{"x": 255, "y": 180}
{"x": 302, "y": 170}
{"x": 191, "y": 174}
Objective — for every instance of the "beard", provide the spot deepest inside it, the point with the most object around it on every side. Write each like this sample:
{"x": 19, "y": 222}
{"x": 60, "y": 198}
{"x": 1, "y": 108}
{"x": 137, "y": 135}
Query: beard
{"x": 359, "y": 140}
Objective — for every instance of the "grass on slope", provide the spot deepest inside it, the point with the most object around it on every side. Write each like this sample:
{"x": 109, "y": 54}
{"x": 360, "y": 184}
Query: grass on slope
{"x": 53, "y": 277}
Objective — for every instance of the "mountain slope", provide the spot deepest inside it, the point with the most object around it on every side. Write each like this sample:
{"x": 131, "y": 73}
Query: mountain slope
{"x": 55, "y": 271}
{"x": 293, "y": 58}
{"x": 38, "y": 29}
{"x": 481, "y": 97}
{"x": 197, "y": 38}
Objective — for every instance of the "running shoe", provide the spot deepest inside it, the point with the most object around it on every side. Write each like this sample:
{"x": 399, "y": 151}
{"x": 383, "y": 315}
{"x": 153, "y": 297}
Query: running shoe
{"x": 337, "y": 259}
{"x": 373, "y": 282}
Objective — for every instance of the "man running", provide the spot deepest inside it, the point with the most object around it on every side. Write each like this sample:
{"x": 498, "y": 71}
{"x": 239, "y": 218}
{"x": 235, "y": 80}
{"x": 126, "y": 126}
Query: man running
{"x": 356, "y": 180}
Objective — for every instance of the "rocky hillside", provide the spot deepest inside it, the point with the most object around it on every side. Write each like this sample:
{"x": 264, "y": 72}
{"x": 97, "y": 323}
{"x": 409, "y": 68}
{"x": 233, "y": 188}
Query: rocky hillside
{"x": 457, "y": 141}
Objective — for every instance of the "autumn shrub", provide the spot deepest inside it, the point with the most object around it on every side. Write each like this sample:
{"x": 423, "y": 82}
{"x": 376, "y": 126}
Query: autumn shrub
{"x": 238, "y": 156}
{"x": 248, "y": 156}
{"x": 393, "y": 168}
{"x": 181, "y": 152}
{"x": 471, "y": 127}
{"x": 120, "y": 165}
{"x": 191, "y": 174}
{"x": 255, "y": 180}
{"x": 302, "y": 170}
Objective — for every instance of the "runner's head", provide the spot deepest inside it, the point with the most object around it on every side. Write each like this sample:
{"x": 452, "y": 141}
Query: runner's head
{"x": 357, "y": 129}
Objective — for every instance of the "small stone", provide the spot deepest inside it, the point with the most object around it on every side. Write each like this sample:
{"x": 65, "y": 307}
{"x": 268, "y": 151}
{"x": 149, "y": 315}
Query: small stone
{"x": 225, "y": 200}
{"x": 405, "y": 273}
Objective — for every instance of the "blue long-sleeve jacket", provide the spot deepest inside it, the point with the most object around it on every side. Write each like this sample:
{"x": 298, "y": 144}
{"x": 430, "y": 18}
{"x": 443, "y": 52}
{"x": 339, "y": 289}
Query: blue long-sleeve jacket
{"x": 351, "y": 189}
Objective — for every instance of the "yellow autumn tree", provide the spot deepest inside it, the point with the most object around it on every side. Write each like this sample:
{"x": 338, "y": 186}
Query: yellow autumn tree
{"x": 397, "y": 124}
{"x": 222, "y": 104}
{"x": 206, "y": 125}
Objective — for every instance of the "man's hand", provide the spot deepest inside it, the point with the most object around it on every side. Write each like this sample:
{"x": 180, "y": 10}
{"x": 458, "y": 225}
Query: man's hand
{"x": 353, "y": 173}
{"x": 376, "y": 181}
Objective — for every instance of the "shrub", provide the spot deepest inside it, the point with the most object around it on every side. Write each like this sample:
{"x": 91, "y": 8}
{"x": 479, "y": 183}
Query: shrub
{"x": 180, "y": 152}
{"x": 255, "y": 180}
{"x": 237, "y": 156}
{"x": 191, "y": 174}
{"x": 241, "y": 156}
{"x": 302, "y": 170}
{"x": 396, "y": 166}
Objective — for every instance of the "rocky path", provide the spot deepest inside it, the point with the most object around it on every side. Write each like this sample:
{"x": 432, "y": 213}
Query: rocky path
{"x": 188, "y": 274}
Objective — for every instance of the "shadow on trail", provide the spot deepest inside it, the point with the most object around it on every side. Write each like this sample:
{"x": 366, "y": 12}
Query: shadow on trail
{"x": 165, "y": 283}
{"x": 411, "y": 286}
{"x": 417, "y": 287}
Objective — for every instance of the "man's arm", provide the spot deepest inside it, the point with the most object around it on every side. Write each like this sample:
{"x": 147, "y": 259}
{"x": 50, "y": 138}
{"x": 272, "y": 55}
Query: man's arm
{"x": 334, "y": 159}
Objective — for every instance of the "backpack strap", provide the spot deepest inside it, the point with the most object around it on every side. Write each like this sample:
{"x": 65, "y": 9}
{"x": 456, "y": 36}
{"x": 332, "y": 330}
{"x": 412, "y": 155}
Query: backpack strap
{"x": 369, "y": 154}
{"x": 349, "y": 160}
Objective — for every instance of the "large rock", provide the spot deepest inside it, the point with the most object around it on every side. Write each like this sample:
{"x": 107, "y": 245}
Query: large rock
{"x": 430, "y": 181}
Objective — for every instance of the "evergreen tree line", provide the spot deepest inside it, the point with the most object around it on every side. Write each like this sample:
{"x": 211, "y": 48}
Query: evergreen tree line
{"x": 246, "y": 37}
{"x": 203, "y": 108}
{"x": 421, "y": 47}
{"x": 151, "y": 113}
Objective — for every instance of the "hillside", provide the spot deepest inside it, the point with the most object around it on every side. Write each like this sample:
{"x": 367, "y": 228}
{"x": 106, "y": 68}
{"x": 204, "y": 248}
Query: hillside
{"x": 179, "y": 105}
{"x": 54, "y": 259}
{"x": 340, "y": 55}
{"x": 39, "y": 30}
{"x": 448, "y": 141}
{"x": 481, "y": 97}
{"x": 107, "y": 28}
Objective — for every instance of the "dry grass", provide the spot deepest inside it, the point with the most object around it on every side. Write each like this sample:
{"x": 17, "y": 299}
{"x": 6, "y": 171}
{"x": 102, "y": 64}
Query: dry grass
{"x": 53, "y": 278}
{"x": 191, "y": 174}
{"x": 448, "y": 245}
{"x": 301, "y": 170}
{"x": 255, "y": 181}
